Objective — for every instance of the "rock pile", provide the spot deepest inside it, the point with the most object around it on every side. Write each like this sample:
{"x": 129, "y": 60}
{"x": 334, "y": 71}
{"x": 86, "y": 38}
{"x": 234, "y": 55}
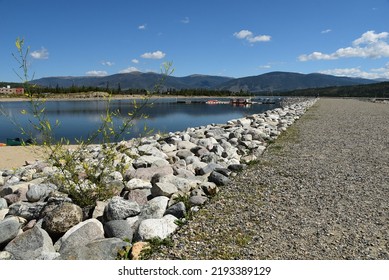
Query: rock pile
{"x": 166, "y": 178}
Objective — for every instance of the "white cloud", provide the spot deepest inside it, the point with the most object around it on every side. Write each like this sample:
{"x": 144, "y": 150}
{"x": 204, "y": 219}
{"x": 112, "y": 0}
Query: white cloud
{"x": 107, "y": 63}
{"x": 128, "y": 70}
{"x": 356, "y": 72}
{"x": 142, "y": 27}
{"x": 370, "y": 37}
{"x": 249, "y": 36}
{"x": 96, "y": 73}
{"x": 40, "y": 54}
{"x": 315, "y": 56}
{"x": 185, "y": 20}
{"x": 153, "y": 55}
{"x": 136, "y": 61}
{"x": 326, "y": 31}
{"x": 259, "y": 38}
{"x": 382, "y": 69}
{"x": 265, "y": 66}
{"x": 243, "y": 34}
{"x": 369, "y": 45}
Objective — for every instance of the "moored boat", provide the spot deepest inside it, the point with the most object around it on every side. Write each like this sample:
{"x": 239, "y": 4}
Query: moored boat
{"x": 242, "y": 101}
{"x": 18, "y": 142}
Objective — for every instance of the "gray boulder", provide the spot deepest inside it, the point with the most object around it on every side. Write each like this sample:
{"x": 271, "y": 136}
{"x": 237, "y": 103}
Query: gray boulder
{"x": 5, "y": 191}
{"x": 184, "y": 173}
{"x": 211, "y": 157}
{"x": 119, "y": 209}
{"x": 157, "y": 228}
{"x": 244, "y": 122}
{"x": 224, "y": 171}
{"x": 6, "y": 256}
{"x": 206, "y": 143}
{"x": 147, "y": 173}
{"x": 154, "y": 208}
{"x": 151, "y": 151}
{"x": 61, "y": 219}
{"x": 27, "y": 210}
{"x": 80, "y": 235}
{"x": 200, "y": 151}
{"x": 182, "y": 184}
{"x": 3, "y": 213}
{"x": 27, "y": 175}
{"x": 163, "y": 189}
{"x": 133, "y": 222}
{"x": 13, "y": 180}
{"x": 3, "y": 203}
{"x": 101, "y": 249}
{"x": 197, "y": 191}
{"x": 208, "y": 168}
{"x": 197, "y": 200}
{"x": 120, "y": 229}
{"x": 183, "y": 154}
{"x": 9, "y": 229}
{"x": 37, "y": 192}
{"x": 140, "y": 196}
{"x": 147, "y": 161}
{"x": 178, "y": 210}
{"x": 218, "y": 179}
{"x": 12, "y": 198}
{"x": 30, "y": 245}
{"x": 168, "y": 148}
{"x": 185, "y": 145}
{"x": 98, "y": 212}
{"x": 136, "y": 183}
{"x": 237, "y": 167}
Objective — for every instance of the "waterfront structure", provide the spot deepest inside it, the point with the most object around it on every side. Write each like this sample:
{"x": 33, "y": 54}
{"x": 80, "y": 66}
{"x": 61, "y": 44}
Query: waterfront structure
{"x": 9, "y": 90}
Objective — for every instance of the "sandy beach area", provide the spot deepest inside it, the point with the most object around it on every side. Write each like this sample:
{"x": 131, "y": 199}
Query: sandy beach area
{"x": 13, "y": 157}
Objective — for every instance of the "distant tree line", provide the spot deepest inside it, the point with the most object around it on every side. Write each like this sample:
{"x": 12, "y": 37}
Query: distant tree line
{"x": 203, "y": 92}
{"x": 13, "y": 85}
{"x": 59, "y": 90}
{"x": 378, "y": 90}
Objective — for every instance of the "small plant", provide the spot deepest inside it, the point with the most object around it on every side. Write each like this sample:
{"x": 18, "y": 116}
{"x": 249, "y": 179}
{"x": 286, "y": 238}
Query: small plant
{"x": 125, "y": 252}
{"x": 184, "y": 198}
{"x": 155, "y": 245}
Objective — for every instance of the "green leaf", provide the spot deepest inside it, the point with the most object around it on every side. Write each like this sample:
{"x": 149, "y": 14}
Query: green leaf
{"x": 19, "y": 43}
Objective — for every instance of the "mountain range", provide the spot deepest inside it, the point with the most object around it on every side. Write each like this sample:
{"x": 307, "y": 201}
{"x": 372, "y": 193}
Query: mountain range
{"x": 269, "y": 82}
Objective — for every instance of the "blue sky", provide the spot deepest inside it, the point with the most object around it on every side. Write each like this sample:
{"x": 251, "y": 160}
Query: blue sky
{"x": 212, "y": 37}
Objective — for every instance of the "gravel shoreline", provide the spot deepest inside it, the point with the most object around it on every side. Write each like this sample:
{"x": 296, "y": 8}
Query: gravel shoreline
{"x": 320, "y": 191}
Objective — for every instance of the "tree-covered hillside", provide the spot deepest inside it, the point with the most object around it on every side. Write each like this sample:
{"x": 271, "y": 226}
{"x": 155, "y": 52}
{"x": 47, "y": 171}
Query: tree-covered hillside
{"x": 378, "y": 90}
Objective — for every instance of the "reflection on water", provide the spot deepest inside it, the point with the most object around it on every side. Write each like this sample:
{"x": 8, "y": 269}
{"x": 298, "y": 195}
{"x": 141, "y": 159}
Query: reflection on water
{"x": 80, "y": 118}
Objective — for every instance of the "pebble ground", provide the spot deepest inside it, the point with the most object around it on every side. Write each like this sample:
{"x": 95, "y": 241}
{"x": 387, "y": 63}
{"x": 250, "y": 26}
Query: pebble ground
{"x": 320, "y": 191}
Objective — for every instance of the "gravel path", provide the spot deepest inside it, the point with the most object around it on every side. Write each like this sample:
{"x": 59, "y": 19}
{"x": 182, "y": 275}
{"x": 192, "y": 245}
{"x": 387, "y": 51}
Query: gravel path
{"x": 321, "y": 191}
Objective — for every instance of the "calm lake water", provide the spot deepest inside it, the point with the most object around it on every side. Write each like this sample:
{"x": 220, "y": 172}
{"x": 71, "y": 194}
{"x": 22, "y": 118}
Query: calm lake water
{"x": 78, "y": 119}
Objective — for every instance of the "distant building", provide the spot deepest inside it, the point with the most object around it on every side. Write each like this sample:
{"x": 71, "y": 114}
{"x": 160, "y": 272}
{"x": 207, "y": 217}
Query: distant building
{"x": 9, "y": 90}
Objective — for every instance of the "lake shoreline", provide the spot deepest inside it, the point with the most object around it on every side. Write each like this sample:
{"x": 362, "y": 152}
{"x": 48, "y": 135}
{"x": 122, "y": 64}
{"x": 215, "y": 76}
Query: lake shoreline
{"x": 115, "y": 97}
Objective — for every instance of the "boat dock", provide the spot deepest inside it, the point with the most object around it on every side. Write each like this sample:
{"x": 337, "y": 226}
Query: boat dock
{"x": 234, "y": 101}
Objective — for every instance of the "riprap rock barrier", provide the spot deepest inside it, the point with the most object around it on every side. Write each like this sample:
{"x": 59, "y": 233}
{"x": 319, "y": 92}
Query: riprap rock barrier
{"x": 167, "y": 177}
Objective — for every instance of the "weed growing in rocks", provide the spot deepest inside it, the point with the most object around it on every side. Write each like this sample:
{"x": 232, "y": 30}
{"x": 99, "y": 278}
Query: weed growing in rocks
{"x": 155, "y": 244}
{"x": 125, "y": 252}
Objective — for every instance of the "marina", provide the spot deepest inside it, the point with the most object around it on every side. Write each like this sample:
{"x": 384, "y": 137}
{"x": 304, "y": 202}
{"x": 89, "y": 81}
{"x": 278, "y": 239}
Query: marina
{"x": 233, "y": 101}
